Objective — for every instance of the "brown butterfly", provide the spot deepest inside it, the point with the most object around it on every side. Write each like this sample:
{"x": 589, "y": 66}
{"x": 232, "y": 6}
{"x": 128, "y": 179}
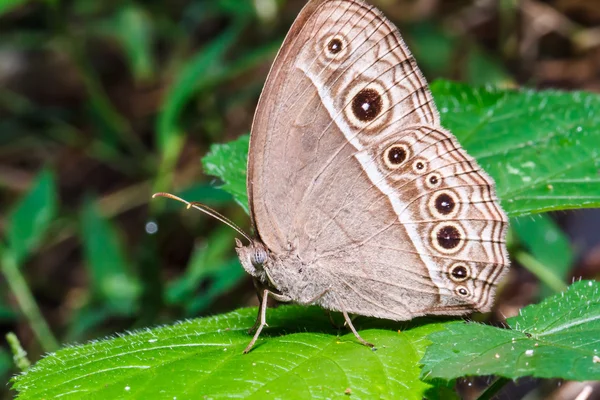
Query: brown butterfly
{"x": 360, "y": 201}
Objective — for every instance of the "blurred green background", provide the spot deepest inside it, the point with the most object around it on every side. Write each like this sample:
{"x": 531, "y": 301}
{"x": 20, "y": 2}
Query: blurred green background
{"x": 103, "y": 103}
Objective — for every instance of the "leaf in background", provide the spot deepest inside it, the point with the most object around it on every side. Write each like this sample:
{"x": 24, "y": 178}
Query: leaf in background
{"x": 133, "y": 27}
{"x": 203, "y": 358}
{"x": 86, "y": 322}
{"x": 484, "y": 69}
{"x": 545, "y": 241}
{"x": 228, "y": 162}
{"x": 433, "y": 47}
{"x": 204, "y": 192}
{"x": 235, "y": 7}
{"x": 557, "y": 338}
{"x": 29, "y": 220}
{"x": 222, "y": 280}
{"x": 206, "y": 261}
{"x": 540, "y": 147}
{"x": 201, "y": 71}
{"x": 8, "y": 5}
{"x": 6, "y": 312}
{"x": 107, "y": 265}
{"x": 443, "y": 54}
{"x": 6, "y": 363}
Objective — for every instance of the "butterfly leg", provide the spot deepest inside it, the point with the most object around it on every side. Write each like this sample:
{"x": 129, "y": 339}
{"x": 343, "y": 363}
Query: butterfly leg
{"x": 257, "y": 322}
{"x": 349, "y": 323}
{"x": 262, "y": 314}
{"x": 259, "y": 293}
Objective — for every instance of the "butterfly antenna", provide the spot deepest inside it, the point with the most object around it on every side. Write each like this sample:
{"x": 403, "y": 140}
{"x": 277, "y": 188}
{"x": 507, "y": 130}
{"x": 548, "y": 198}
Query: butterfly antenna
{"x": 206, "y": 210}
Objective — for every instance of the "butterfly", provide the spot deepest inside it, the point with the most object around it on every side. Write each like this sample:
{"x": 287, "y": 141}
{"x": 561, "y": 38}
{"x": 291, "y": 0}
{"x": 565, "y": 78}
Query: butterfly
{"x": 361, "y": 202}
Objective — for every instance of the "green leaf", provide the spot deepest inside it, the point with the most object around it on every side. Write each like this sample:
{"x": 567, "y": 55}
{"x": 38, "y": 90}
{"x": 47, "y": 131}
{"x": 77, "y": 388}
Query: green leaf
{"x": 6, "y": 364}
{"x": 133, "y": 27}
{"x": 235, "y": 7}
{"x": 223, "y": 280}
{"x": 108, "y": 267}
{"x": 201, "y": 72}
{"x": 207, "y": 264}
{"x": 204, "y": 192}
{"x": 555, "y": 339}
{"x": 228, "y": 162}
{"x": 6, "y": 312}
{"x": 433, "y": 47}
{"x": 29, "y": 220}
{"x": 87, "y": 321}
{"x": 198, "y": 74}
{"x": 483, "y": 69}
{"x": 8, "y": 5}
{"x": 203, "y": 359}
{"x": 441, "y": 53}
{"x": 542, "y": 237}
{"x": 540, "y": 147}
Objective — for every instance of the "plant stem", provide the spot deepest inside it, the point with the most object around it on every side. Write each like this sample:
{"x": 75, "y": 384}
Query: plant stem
{"x": 27, "y": 303}
{"x": 544, "y": 273}
{"x": 493, "y": 389}
{"x": 19, "y": 354}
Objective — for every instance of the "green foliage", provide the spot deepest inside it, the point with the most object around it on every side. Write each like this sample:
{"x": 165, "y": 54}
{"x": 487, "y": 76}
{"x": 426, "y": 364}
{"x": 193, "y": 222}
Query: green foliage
{"x": 6, "y": 312}
{"x": 299, "y": 352}
{"x": 5, "y": 362}
{"x": 111, "y": 275}
{"x": 548, "y": 245}
{"x": 203, "y": 70}
{"x": 19, "y": 354}
{"x": 30, "y": 219}
{"x": 540, "y": 147}
{"x": 187, "y": 69}
{"x": 7, "y": 5}
{"x": 299, "y": 356}
{"x": 437, "y": 49}
{"x": 132, "y": 26}
{"x": 204, "y": 357}
{"x": 228, "y": 162}
{"x": 210, "y": 262}
{"x": 27, "y": 225}
{"x": 555, "y": 339}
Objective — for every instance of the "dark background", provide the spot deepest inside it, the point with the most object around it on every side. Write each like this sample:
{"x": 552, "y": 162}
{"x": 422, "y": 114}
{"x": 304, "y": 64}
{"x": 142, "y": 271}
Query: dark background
{"x": 87, "y": 86}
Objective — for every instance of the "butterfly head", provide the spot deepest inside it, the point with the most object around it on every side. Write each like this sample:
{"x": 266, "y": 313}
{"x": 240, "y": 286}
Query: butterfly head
{"x": 253, "y": 258}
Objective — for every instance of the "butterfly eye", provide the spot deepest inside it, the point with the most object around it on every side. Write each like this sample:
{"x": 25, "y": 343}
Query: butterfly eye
{"x": 420, "y": 166}
{"x": 336, "y": 47}
{"x": 448, "y": 238}
{"x": 444, "y": 204}
{"x": 395, "y": 155}
{"x": 367, "y": 105}
{"x": 433, "y": 180}
{"x": 460, "y": 272}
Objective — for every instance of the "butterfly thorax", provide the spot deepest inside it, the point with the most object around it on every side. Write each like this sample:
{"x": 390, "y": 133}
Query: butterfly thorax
{"x": 287, "y": 273}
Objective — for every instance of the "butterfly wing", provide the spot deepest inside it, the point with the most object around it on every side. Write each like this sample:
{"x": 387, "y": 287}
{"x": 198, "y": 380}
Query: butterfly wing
{"x": 344, "y": 117}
